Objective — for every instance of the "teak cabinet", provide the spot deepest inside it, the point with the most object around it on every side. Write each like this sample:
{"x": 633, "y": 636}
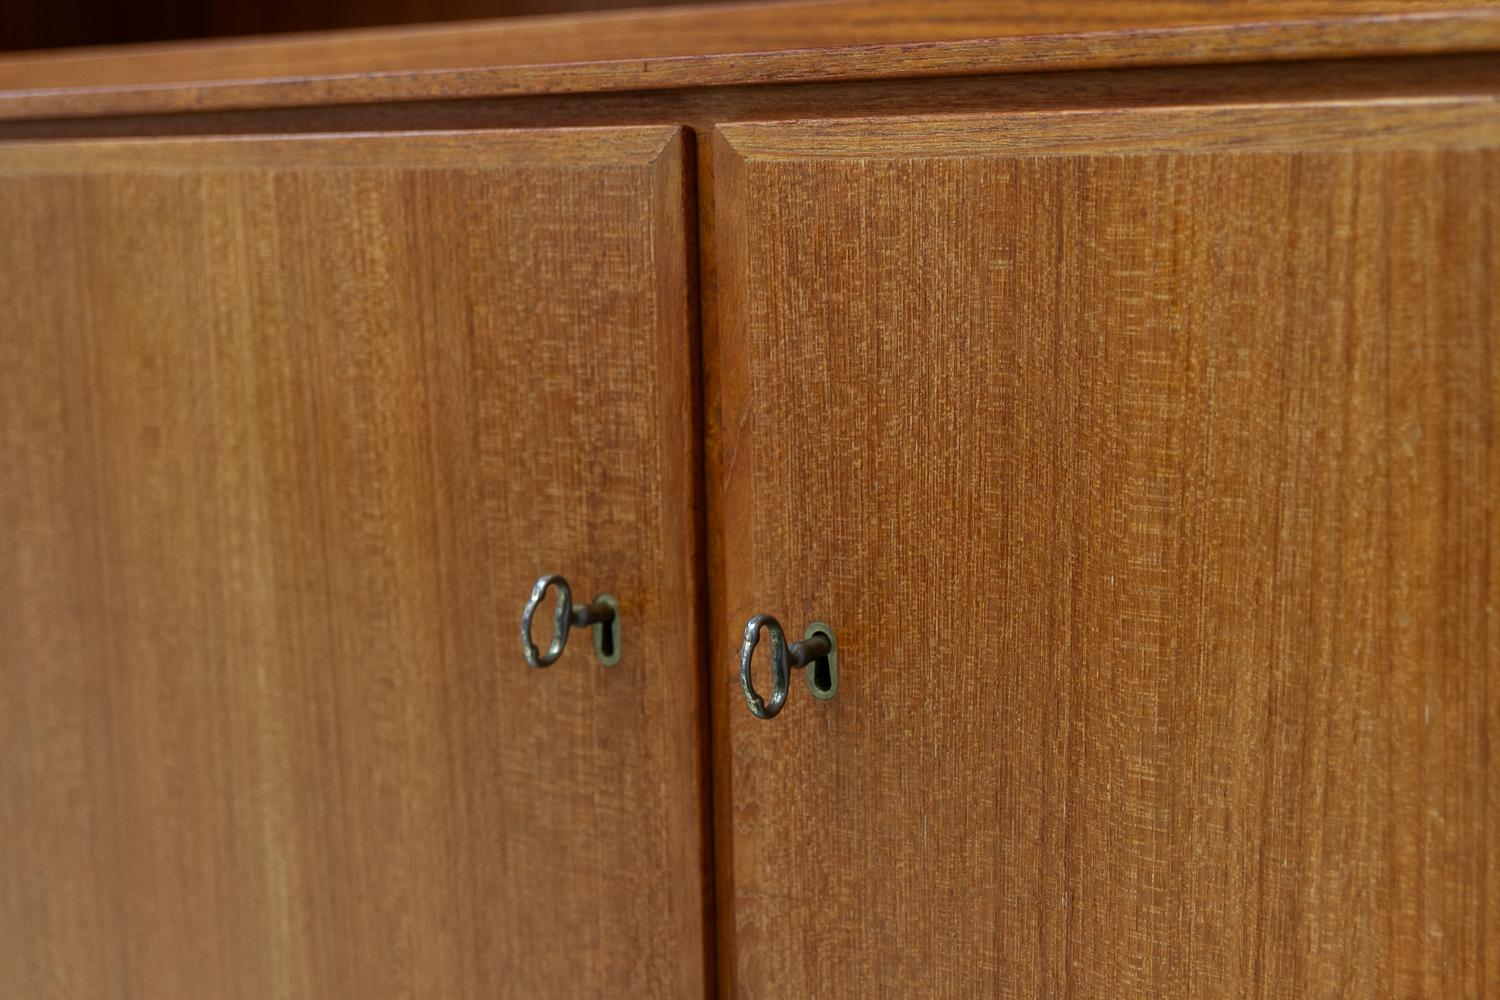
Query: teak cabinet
{"x": 1128, "y": 415}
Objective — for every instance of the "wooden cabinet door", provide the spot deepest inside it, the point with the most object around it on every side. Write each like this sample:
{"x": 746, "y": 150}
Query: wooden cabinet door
{"x": 1144, "y": 463}
{"x": 288, "y": 428}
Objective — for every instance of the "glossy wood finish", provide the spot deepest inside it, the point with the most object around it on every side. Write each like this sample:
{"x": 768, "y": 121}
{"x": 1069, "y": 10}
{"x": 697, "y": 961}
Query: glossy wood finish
{"x": 753, "y": 43}
{"x": 1145, "y": 463}
{"x": 289, "y": 427}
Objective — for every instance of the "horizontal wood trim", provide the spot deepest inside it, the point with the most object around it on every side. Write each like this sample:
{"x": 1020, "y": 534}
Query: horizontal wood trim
{"x": 703, "y": 108}
{"x": 700, "y": 47}
{"x": 1464, "y": 122}
{"x": 564, "y": 147}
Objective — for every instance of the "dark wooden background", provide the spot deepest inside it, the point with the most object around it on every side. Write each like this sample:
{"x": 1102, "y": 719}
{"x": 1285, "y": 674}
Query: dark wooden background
{"x": 38, "y": 24}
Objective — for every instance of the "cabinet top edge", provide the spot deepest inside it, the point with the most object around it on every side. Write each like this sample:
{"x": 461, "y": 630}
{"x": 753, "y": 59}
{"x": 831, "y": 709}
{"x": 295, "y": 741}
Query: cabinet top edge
{"x": 784, "y": 41}
{"x": 1458, "y": 121}
{"x": 637, "y": 147}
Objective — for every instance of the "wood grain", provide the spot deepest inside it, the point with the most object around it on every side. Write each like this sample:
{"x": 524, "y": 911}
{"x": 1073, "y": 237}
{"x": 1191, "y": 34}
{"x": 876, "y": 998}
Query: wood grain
{"x": 743, "y": 44}
{"x": 289, "y": 427}
{"x": 702, "y": 108}
{"x": 1145, "y": 464}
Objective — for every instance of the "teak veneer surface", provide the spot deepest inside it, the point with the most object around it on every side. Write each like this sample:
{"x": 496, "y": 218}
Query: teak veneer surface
{"x": 288, "y": 429}
{"x": 724, "y": 45}
{"x": 1145, "y": 463}
{"x": 702, "y": 108}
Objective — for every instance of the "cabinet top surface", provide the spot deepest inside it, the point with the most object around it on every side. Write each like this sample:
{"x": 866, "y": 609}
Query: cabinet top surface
{"x": 723, "y": 44}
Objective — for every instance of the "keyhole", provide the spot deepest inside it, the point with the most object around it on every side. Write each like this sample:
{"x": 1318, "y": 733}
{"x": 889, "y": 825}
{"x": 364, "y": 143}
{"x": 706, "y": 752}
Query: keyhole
{"x": 607, "y": 634}
{"x": 823, "y": 673}
{"x": 822, "y": 677}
